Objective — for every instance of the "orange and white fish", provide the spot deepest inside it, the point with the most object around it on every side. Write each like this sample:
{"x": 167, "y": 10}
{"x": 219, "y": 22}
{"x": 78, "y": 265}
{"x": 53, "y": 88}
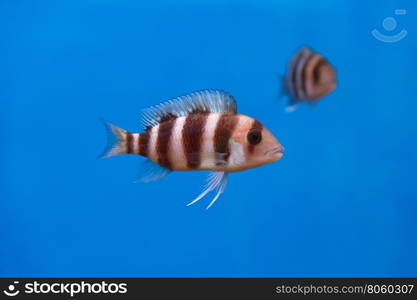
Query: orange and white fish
{"x": 198, "y": 131}
{"x": 309, "y": 77}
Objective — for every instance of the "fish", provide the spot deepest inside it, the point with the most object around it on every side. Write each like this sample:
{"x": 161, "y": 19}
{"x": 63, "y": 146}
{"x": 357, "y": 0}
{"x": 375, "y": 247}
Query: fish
{"x": 200, "y": 131}
{"x": 309, "y": 78}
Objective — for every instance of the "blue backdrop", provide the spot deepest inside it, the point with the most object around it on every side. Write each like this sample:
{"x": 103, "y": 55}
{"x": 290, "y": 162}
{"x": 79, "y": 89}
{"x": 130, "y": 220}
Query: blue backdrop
{"x": 342, "y": 201}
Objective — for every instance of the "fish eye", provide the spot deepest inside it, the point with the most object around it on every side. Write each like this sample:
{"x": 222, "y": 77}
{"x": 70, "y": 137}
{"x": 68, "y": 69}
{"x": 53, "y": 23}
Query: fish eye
{"x": 254, "y": 137}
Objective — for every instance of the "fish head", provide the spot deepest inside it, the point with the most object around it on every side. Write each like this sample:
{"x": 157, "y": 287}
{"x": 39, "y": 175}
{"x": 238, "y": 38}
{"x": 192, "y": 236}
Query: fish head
{"x": 253, "y": 145}
{"x": 326, "y": 75}
{"x": 323, "y": 79}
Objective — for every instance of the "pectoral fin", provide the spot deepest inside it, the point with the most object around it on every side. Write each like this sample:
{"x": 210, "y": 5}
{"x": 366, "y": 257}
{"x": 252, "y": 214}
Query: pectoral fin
{"x": 208, "y": 158}
{"x": 151, "y": 171}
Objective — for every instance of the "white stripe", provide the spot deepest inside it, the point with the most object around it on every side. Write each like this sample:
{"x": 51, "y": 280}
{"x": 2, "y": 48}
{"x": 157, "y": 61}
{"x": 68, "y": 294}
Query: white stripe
{"x": 153, "y": 136}
{"x": 176, "y": 148}
{"x": 237, "y": 154}
{"x": 208, "y": 158}
{"x": 135, "y": 142}
{"x": 302, "y": 61}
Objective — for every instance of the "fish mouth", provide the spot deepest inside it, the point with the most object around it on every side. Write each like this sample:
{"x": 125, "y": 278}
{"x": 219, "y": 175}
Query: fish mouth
{"x": 275, "y": 151}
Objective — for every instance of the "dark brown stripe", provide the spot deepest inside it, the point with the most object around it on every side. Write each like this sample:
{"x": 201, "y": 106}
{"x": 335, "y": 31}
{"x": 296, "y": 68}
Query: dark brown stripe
{"x": 297, "y": 67}
{"x": 256, "y": 126}
{"x": 129, "y": 142}
{"x": 316, "y": 70}
{"x": 224, "y": 129}
{"x": 167, "y": 117}
{"x": 143, "y": 143}
{"x": 162, "y": 143}
{"x": 304, "y": 74}
{"x": 192, "y": 138}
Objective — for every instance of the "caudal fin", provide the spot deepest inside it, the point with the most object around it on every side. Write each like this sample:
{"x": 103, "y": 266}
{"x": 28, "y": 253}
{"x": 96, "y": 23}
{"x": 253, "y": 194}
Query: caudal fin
{"x": 116, "y": 141}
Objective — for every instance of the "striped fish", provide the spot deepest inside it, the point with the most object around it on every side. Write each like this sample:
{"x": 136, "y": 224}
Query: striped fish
{"x": 309, "y": 77}
{"x": 198, "y": 131}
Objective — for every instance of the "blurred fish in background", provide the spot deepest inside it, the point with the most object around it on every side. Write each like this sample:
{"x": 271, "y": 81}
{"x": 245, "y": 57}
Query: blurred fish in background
{"x": 309, "y": 77}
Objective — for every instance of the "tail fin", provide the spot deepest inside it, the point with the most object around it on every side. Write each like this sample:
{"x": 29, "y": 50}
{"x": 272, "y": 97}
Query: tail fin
{"x": 116, "y": 141}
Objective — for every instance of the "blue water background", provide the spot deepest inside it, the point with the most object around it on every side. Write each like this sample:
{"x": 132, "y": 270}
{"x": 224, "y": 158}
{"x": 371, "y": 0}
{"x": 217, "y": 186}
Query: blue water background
{"x": 342, "y": 202}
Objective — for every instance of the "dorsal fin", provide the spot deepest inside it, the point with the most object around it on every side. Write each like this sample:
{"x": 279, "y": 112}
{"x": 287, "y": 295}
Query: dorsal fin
{"x": 205, "y": 101}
